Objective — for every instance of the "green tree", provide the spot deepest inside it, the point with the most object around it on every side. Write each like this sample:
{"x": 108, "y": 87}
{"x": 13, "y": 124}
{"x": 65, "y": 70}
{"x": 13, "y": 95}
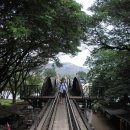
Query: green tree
{"x": 16, "y": 82}
{"x": 109, "y": 25}
{"x": 34, "y": 78}
{"x": 49, "y": 72}
{"x": 109, "y": 73}
{"x": 108, "y": 28}
{"x": 37, "y": 36}
{"x": 32, "y": 84}
{"x": 81, "y": 74}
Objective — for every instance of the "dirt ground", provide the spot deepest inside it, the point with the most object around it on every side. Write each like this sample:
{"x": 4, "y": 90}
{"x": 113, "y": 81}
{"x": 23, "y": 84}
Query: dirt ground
{"x": 17, "y": 116}
{"x": 16, "y": 108}
{"x": 101, "y": 123}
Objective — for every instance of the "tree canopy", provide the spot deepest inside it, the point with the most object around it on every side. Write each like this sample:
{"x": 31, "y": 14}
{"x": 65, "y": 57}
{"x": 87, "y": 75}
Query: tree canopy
{"x": 109, "y": 73}
{"x": 109, "y": 25}
{"x": 81, "y": 74}
{"x": 34, "y": 31}
{"x": 108, "y": 30}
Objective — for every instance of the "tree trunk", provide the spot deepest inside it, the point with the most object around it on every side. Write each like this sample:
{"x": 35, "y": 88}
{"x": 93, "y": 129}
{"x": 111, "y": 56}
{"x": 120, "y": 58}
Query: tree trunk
{"x": 14, "y": 99}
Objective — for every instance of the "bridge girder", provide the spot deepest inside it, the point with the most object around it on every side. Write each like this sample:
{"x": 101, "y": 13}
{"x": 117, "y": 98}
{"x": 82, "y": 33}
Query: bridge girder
{"x": 76, "y": 89}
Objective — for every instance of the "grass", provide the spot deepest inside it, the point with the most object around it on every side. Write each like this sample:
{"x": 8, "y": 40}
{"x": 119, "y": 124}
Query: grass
{"x": 8, "y": 102}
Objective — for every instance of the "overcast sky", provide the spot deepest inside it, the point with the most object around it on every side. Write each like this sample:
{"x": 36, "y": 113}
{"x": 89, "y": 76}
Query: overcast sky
{"x": 86, "y": 4}
{"x": 81, "y": 57}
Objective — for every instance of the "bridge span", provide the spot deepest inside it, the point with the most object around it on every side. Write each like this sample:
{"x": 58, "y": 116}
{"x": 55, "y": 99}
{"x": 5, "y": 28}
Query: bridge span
{"x": 74, "y": 114}
{"x": 61, "y": 117}
{"x": 57, "y": 116}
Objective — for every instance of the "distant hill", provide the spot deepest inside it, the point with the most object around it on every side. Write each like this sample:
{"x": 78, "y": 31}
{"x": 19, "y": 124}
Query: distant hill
{"x": 68, "y": 68}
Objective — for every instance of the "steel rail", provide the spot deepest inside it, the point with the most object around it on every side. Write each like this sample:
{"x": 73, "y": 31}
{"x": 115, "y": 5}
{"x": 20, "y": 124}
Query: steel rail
{"x": 72, "y": 115}
{"x": 46, "y": 124}
{"x": 88, "y": 126}
{"x": 54, "y": 114}
{"x": 69, "y": 115}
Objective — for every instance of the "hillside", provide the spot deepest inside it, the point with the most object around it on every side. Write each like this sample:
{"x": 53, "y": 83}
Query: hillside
{"x": 68, "y": 68}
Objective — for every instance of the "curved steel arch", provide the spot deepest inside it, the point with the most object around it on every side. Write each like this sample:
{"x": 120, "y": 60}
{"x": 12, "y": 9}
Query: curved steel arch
{"x": 76, "y": 89}
{"x": 47, "y": 87}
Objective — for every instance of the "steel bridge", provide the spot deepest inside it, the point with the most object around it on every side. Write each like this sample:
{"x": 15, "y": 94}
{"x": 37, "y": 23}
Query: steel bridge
{"x": 71, "y": 115}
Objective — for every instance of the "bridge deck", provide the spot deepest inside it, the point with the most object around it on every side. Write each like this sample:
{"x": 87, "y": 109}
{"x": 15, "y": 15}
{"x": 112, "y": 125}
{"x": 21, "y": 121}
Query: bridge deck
{"x": 61, "y": 120}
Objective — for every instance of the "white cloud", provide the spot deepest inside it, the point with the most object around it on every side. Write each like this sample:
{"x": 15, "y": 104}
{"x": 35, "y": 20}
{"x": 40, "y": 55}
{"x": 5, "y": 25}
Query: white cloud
{"x": 77, "y": 60}
{"x": 86, "y": 4}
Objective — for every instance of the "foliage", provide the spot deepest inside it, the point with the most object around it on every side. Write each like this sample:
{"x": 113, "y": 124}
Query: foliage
{"x": 34, "y": 78}
{"x": 109, "y": 25}
{"x": 109, "y": 73}
{"x": 108, "y": 32}
{"x": 16, "y": 82}
{"x": 33, "y": 32}
{"x": 81, "y": 74}
{"x": 49, "y": 72}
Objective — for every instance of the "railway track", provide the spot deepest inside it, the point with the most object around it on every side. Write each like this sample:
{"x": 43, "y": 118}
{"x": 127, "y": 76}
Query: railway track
{"x": 56, "y": 116}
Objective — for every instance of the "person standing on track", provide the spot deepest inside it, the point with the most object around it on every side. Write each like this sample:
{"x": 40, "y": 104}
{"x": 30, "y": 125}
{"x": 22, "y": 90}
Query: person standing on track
{"x": 62, "y": 87}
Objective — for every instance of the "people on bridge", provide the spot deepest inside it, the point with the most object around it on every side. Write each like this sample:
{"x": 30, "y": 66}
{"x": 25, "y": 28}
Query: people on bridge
{"x": 62, "y": 87}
